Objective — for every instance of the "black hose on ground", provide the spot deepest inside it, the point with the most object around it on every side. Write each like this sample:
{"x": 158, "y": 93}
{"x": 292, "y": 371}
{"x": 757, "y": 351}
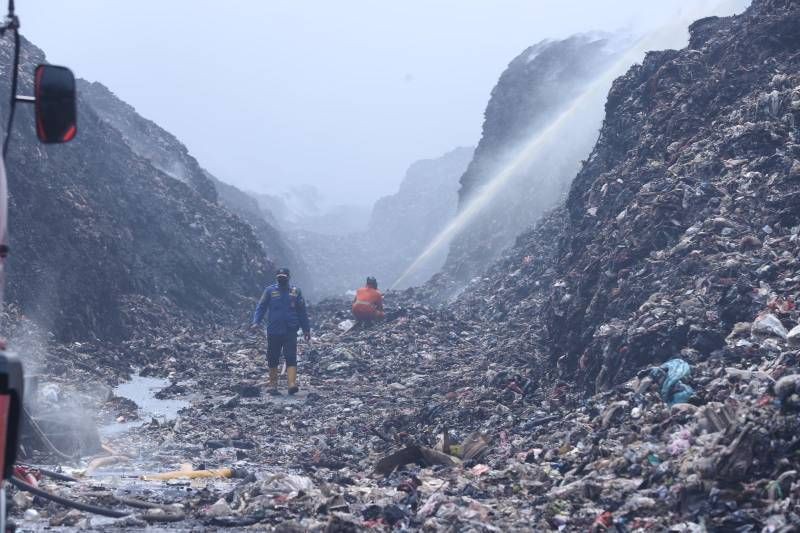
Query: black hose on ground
{"x": 135, "y": 502}
{"x": 53, "y": 475}
{"x": 112, "y": 513}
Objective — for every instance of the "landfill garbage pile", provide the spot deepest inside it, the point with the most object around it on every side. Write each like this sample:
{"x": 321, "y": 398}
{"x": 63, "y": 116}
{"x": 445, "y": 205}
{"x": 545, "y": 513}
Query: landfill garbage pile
{"x": 95, "y": 224}
{"x": 166, "y": 153}
{"x": 536, "y": 87}
{"x": 682, "y": 223}
{"x": 426, "y": 422}
{"x": 632, "y": 363}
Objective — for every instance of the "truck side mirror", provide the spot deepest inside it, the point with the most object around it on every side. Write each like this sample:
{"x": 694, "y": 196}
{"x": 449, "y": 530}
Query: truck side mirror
{"x": 54, "y": 94}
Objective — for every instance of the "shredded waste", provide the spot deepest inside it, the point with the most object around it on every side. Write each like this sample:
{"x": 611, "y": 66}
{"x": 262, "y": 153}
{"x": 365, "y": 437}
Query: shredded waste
{"x": 631, "y": 364}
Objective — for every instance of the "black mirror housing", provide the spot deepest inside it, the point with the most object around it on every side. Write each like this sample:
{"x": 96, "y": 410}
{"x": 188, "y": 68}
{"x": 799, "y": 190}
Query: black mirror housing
{"x": 56, "y": 109}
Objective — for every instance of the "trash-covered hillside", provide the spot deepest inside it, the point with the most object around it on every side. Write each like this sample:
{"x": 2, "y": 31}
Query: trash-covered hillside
{"x": 167, "y": 154}
{"x": 681, "y": 224}
{"x": 100, "y": 232}
{"x": 537, "y": 86}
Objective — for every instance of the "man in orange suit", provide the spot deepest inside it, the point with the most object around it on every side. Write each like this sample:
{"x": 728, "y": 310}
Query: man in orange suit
{"x": 368, "y": 303}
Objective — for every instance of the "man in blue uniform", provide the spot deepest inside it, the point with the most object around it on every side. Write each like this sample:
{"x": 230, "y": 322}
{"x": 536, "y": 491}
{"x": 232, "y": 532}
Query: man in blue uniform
{"x": 286, "y": 313}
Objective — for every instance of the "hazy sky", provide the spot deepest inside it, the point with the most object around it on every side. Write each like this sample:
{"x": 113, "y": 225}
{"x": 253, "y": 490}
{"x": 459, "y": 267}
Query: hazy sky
{"x": 340, "y": 94}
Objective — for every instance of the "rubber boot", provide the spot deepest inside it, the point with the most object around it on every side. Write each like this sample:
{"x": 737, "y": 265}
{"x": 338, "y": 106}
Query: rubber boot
{"x": 291, "y": 378}
{"x": 272, "y": 387}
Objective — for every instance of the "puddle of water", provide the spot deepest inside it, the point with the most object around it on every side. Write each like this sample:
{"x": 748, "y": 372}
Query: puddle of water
{"x": 142, "y": 390}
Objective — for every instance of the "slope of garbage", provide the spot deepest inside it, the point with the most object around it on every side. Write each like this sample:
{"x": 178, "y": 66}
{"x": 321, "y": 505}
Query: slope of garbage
{"x": 426, "y": 422}
{"x": 170, "y": 156}
{"x": 681, "y": 224}
{"x": 537, "y": 86}
{"x": 97, "y": 227}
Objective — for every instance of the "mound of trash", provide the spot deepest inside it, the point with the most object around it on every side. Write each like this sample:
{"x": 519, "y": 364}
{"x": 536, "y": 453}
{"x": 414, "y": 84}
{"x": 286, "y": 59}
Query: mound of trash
{"x": 95, "y": 223}
{"x": 682, "y": 223}
{"x": 535, "y": 89}
{"x": 424, "y": 421}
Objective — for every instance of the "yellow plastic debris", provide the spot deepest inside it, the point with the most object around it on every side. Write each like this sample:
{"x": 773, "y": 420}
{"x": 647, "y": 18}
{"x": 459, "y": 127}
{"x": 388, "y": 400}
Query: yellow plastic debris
{"x": 190, "y": 474}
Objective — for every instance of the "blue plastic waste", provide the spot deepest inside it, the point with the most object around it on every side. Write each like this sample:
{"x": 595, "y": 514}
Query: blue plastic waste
{"x": 673, "y": 390}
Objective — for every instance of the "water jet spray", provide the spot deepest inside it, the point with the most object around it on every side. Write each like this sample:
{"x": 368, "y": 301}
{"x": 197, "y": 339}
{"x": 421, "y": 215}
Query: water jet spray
{"x": 593, "y": 95}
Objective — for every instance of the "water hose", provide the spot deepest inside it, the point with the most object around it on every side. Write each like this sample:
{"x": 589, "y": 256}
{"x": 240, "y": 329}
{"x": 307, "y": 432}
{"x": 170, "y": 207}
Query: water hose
{"x": 111, "y": 513}
{"x": 53, "y": 475}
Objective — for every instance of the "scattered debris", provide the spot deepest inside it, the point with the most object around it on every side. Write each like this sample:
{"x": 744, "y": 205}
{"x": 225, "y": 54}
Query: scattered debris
{"x": 631, "y": 372}
{"x": 193, "y": 474}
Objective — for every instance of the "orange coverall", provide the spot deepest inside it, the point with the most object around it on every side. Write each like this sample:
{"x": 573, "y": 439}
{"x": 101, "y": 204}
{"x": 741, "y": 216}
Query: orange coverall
{"x": 368, "y": 304}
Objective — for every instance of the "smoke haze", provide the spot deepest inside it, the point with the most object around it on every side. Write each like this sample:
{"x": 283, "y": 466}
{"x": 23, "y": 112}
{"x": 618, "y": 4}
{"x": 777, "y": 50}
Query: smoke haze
{"x": 342, "y": 96}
